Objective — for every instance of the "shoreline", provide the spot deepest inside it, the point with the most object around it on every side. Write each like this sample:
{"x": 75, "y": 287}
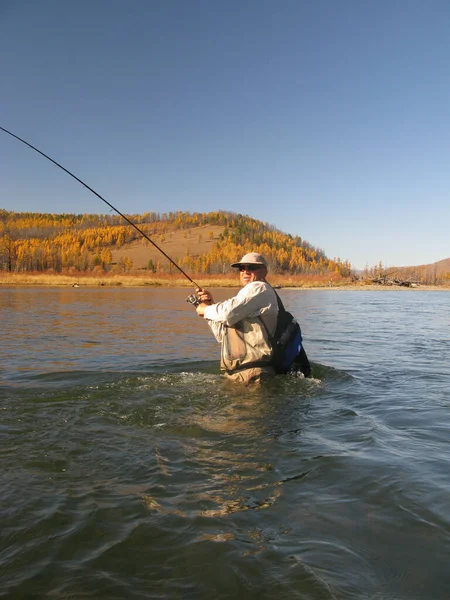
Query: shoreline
{"x": 53, "y": 280}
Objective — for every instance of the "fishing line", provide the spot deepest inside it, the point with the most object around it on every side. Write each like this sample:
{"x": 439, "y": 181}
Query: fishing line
{"x": 105, "y": 201}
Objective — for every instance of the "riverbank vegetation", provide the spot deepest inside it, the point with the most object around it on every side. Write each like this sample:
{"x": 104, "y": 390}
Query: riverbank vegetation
{"x": 91, "y": 249}
{"x": 78, "y": 279}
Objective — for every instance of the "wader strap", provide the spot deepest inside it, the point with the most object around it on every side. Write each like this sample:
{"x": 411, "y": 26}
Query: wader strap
{"x": 281, "y": 309}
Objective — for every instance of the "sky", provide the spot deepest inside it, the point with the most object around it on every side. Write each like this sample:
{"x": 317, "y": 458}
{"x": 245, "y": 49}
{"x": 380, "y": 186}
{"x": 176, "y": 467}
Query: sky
{"x": 329, "y": 119}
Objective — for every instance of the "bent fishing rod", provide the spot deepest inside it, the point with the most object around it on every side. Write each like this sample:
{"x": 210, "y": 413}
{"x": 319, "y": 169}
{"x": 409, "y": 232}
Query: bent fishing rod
{"x": 191, "y": 298}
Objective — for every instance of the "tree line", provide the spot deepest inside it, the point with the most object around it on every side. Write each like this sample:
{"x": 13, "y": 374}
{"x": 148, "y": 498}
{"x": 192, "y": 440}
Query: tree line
{"x": 42, "y": 242}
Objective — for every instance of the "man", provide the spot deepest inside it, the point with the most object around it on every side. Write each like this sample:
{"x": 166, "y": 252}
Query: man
{"x": 244, "y": 324}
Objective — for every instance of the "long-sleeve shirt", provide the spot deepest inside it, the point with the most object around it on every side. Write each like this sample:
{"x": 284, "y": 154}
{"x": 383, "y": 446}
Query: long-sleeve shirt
{"x": 255, "y": 299}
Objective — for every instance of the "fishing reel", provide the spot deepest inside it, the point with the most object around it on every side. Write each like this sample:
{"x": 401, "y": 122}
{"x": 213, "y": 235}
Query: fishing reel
{"x": 192, "y": 299}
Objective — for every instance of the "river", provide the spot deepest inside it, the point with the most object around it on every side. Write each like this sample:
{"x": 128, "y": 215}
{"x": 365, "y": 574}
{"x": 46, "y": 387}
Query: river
{"x": 131, "y": 469}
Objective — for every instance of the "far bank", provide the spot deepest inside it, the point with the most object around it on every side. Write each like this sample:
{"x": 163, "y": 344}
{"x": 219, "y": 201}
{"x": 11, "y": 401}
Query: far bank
{"x": 220, "y": 281}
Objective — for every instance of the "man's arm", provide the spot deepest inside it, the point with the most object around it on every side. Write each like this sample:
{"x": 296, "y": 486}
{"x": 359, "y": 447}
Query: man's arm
{"x": 206, "y": 299}
{"x": 255, "y": 299}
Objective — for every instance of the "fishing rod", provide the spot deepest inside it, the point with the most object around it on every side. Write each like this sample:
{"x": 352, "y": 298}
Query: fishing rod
{"x": 191, "y": 298}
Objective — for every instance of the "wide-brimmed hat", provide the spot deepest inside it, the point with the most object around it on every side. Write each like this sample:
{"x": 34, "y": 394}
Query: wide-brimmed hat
{"x": 252, "y": 258}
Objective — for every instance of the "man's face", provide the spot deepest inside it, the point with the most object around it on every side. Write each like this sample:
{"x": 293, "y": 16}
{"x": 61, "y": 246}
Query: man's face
{"x": 249, "y": 273}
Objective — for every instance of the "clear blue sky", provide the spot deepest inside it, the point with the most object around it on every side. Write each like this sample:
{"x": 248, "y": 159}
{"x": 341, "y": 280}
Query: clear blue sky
{"x": 329, "y": 119}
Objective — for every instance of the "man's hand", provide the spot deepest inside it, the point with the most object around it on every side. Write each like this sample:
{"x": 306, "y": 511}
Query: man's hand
{"x": 205, "y": 300}
{"x": 201, "y": 309}
{"x": 204, "y": 296}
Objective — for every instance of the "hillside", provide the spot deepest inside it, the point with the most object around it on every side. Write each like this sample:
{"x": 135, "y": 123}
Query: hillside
{"x": 431, "y": 274}
{"x": 204, "y": 243}
{"x": 176, "y": 243}
{"x": 201, "y": 243}
{"x": 438, "y": 268}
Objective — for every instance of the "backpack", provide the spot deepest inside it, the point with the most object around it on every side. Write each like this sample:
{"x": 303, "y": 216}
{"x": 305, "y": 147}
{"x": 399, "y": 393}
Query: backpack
{"x": 286, "y": 341}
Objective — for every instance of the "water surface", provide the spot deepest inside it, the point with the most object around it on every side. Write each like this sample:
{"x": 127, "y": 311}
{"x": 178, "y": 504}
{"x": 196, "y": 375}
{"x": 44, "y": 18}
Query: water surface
{"x": 131, "y": 469}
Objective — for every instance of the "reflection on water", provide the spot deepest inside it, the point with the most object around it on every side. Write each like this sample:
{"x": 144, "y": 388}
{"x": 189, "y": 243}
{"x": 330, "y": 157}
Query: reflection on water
{"x": 131, "y": 469}
{"x": 77, "y": 328}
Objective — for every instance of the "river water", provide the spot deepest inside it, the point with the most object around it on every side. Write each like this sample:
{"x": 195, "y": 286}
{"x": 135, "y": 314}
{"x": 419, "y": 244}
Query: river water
{"x": 131, "y": 469}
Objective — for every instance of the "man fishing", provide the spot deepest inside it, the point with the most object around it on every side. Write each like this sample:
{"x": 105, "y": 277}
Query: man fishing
{"x": 245, "y": 324}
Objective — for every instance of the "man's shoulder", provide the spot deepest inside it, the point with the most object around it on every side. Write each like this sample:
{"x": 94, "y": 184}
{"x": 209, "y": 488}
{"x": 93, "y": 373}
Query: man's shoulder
{"x": 259, "y": 286}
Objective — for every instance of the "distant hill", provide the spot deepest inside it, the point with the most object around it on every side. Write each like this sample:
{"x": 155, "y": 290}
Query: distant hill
{"x": 435, "y": 273}
{"x": 202, "y": 243}
{"x": 205, "y": 243}
{"x": 440, "y": 267}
